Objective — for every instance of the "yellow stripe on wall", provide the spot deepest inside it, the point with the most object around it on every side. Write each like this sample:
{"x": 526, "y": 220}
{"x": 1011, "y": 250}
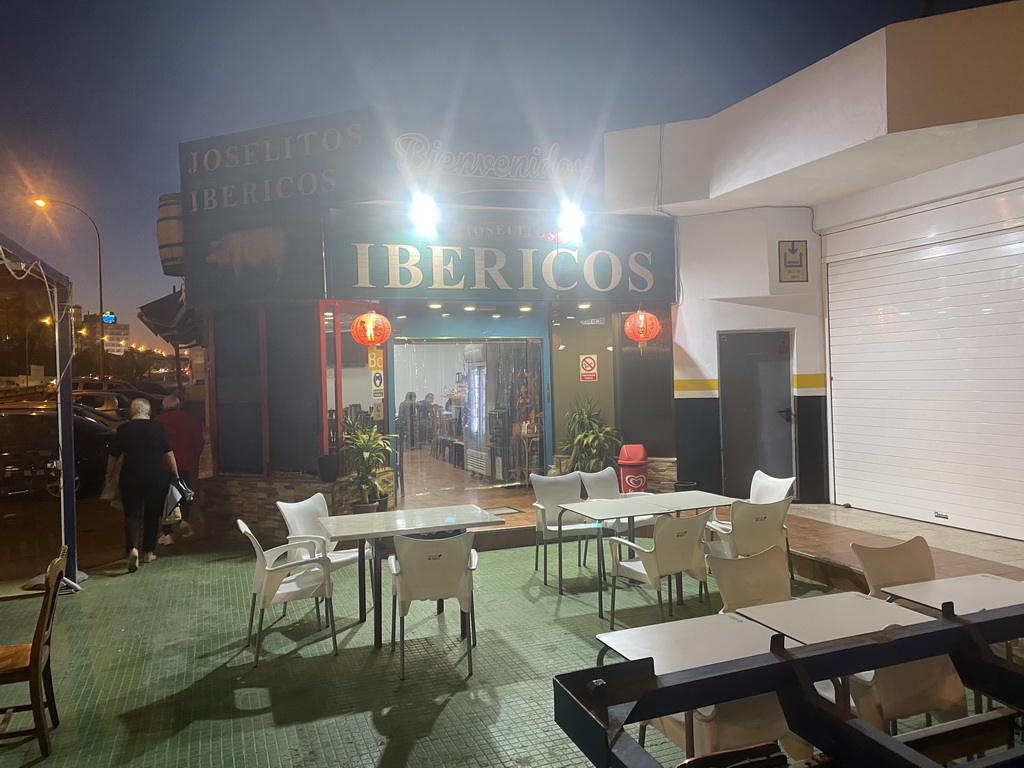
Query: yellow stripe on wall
{"x": 808, "y": 381}
{"x": 696, "y": 385}
{"x": 800, "y": 381}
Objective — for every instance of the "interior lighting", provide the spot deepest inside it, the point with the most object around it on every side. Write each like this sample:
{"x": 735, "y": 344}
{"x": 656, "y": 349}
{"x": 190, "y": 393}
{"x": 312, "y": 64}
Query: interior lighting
{"x": 570, "y": 222}
{"x": 400, "y": 317}
{"x": 525, "y": 308}
{"x": 424, "y": 214}
{"x": 435, "y": 305}
{"x": 496, "y": 315}
{"x": 561, "y": 347}
{"x": 469, "y": 308}
{"x": 446, "y": 314}
{"x": 570, "y": 317}
{"x": 583, "y": 305}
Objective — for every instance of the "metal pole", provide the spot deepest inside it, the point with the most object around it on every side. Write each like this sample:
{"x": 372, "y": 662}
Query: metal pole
{"x": 99, "y": 270}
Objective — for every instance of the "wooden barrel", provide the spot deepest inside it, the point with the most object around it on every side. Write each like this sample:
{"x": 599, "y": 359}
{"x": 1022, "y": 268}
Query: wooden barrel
{"x": 169, "y": 235}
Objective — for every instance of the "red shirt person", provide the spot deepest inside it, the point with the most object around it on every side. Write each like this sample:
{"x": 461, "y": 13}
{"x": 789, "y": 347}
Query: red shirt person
{"x": 186, "y": 439}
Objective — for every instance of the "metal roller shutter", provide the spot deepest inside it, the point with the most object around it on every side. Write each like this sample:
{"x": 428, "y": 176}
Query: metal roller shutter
{"x": 926, "y": 353}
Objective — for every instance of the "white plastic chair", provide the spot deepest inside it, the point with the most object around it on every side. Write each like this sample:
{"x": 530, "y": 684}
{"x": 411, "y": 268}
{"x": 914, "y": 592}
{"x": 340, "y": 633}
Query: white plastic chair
{"x": 765, "y": 489}
{"x": 905, "y": 563}
{"x": 929, "y": 686}
{"x": 677, "y": 548}
{"x": 605, "y": 485}
{"x": 752, "y": 528}
{"x": 301, "y": 577}
{"x": 551, "y": 493}
{"x": 302, "y": 519}
{"x": 432, "y": 569}
{"x": 756, "y": 580}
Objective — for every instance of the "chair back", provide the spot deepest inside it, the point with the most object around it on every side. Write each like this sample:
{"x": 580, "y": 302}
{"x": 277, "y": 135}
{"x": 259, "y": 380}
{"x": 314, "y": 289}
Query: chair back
{"x": 601, "y": 485}
{"x": 678, "y": 544}
{"x": 551, "y": 493}
{"x": 756, "y": 580}
{"x": 302, "y": 517}
{"x": 434, "y": 569}
{"x": 765, "y": 489}
{"x": 259, "y": 574}
{"x": 905, "y": 563}
{"x": 755, "y": 527}
{"x": 44, "y": 624}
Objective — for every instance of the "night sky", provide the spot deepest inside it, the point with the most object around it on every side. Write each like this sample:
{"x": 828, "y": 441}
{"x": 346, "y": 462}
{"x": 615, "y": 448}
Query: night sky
{"x": 96, "y": 96}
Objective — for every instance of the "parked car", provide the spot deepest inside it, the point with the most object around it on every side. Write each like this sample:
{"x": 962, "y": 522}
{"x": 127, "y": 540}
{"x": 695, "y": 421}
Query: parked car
{"x": 29, "y": 445}
{"x": 115, "y": 403}
{"x": 87, "y": 384}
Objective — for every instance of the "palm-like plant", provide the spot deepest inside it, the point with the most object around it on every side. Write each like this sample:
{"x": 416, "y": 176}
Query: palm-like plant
{"x": 590, "y": 444}
{"x": 366, "y": 451}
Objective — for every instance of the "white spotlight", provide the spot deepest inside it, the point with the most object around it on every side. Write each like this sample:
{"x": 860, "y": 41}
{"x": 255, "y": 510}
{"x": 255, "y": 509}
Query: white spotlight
{"x": 424, "y": 213}
{"x": 570, "y": 222}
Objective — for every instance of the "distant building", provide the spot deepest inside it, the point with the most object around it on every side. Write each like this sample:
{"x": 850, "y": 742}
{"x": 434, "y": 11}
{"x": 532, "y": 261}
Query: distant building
{"x": 117, "y": 338}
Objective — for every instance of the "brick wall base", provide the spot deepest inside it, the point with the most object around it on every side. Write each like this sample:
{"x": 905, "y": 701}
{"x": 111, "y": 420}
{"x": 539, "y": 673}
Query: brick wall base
{"x": 222, "y": 500}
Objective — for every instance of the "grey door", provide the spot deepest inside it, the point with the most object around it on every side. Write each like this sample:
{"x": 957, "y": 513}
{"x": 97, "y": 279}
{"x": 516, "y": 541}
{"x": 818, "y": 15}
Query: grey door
{"x": 756, "y": 401}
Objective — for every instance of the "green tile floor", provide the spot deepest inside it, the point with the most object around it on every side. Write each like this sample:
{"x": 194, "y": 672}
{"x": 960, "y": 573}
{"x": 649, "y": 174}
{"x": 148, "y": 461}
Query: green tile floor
{"x": 150, "y": 670}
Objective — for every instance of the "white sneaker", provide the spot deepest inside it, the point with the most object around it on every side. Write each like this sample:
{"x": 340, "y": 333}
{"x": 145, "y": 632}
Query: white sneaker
{"x": 133, "y": 561}
{"x": 185, "y": 530}
{"x": 148, "y": 557}
{"x": 166, "y": 540}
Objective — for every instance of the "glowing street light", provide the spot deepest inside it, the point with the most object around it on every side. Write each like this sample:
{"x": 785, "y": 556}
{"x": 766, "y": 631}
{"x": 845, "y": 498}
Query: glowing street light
{"x": 42, "y": 202}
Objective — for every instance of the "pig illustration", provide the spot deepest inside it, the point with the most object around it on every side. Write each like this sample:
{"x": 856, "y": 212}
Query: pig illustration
{"x": 253, "y": 249}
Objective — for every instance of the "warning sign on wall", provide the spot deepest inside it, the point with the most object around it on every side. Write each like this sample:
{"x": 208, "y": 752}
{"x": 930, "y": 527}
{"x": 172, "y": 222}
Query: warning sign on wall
{"x": 588, "y": 367}
{"x": 375, "y": 362}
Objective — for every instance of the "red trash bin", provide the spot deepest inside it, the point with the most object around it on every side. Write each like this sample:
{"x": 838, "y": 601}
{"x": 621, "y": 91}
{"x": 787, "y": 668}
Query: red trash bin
{"x": 632, "y": 468}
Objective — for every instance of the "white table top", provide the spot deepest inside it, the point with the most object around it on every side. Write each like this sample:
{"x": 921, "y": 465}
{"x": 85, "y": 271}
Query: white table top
{"x": 691, "y": 643}
{"x": 375, "y": 525}
{"x": 689, "y": 500}
{"x": 969, "y": 594}
{"x": 610, "y": 509}
{"x": 831, "y": 617}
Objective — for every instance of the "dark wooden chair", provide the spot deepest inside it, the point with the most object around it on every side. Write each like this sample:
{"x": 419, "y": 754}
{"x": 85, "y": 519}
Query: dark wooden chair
{"x": 30, "y": 663}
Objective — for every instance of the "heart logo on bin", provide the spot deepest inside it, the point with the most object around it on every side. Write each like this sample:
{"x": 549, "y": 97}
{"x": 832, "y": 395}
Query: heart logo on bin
{"x": 636, "y": 481}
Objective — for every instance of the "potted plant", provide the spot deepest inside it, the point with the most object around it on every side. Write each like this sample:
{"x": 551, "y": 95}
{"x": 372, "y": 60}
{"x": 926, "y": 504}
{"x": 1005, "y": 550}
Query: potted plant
{"x": 590, "y": 444}
{"x": 366, "y": 452}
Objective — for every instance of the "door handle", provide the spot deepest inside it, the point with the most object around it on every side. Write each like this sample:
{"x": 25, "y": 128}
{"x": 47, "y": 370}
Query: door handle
{"x": 787, "y": 414}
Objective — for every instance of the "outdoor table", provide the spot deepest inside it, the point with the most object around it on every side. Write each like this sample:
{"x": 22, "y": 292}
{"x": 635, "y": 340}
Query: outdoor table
{"x": 628, "y": 507}
{"x": 823, "y": 618}
{"x": 969, "y": 594}
{"x": 678, "y": 646}
{"x": 375, "y": 527}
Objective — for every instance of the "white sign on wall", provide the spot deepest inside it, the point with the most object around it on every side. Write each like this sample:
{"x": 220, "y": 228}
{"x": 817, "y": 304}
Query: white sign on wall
{"x": 588, "y": 367}
{"x": 375, "y": 362}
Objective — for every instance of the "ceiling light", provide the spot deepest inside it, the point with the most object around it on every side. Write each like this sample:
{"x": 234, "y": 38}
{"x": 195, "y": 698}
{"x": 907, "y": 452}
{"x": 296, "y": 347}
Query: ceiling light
{"x": 496, "y": 315}
{"x": 570, "y": 317}
{"x": 400, "y": 317}
{"x": 446, "y": 314}
{"x": 570, "y": 222}
{"x": 525, "y": 308}
{"x": 584, "y": 305}
{"x": 469, "y": 308}
{"x": 561, "y": 347}
{"x": 435, "y": 305}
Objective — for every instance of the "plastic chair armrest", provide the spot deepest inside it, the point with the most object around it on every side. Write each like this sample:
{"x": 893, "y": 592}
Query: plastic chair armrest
{"x": 321, "y": 561}
{"x": 628, "y": 544}
{"x": 299, "y": 543}
{"x": 393, "y": 565}
{"x": 473, "y": 558}
{"x": 320, "y": 540}
{"x": 719, "y": 526}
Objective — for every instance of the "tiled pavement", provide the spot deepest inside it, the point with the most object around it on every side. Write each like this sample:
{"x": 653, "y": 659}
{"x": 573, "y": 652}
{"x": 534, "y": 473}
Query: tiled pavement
{"x": 150, "y": 668}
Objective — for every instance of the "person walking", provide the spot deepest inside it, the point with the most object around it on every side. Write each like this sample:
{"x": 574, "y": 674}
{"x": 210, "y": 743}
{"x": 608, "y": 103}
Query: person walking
{"x": 186, "y": 438}
{"x": 146, "y": 473}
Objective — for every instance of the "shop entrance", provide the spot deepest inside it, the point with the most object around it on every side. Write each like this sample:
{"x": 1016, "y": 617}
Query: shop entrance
{"x": 469, "y": 412}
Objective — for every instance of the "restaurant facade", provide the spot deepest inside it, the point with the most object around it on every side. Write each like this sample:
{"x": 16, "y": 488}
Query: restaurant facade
{"x": 284, "y": 235}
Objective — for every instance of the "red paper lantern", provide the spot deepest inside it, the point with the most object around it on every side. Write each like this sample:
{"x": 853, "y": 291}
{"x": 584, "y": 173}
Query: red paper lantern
{"x": 371, "y": 329}
{"x": 641, "y": 327}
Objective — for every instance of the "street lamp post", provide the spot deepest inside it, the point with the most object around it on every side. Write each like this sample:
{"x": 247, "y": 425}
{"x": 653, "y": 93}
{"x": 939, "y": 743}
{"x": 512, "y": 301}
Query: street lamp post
{"x": 42, "y": 202}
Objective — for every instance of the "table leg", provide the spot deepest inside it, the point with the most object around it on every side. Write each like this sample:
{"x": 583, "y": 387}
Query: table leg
{"x": 600, "y": 572}
{"x": 560, "y": 513}
{"x": 378, "y": 630}
{"x": 688, "y": 723}
{"x": 362, "y": 581}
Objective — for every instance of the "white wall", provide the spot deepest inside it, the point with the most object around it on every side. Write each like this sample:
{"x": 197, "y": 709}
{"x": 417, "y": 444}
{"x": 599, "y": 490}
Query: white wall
{"x": 728, "y": 269}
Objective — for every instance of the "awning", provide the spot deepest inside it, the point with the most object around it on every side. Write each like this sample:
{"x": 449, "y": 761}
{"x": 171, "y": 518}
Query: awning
{"x": 170, "y": 319}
